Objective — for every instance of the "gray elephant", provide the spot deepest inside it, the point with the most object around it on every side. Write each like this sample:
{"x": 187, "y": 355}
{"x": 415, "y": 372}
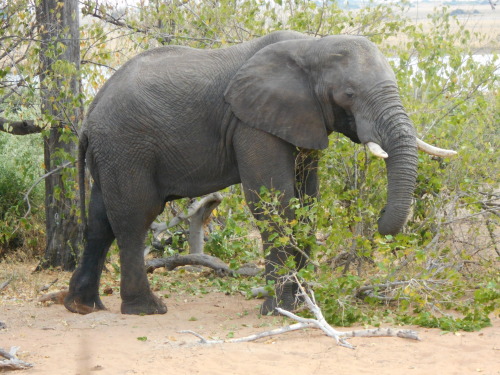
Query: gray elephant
{"x": 180, "y": 122}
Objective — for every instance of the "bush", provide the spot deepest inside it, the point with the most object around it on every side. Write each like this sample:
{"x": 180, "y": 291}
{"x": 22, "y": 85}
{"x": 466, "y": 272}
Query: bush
{"x": 20, "y": 166}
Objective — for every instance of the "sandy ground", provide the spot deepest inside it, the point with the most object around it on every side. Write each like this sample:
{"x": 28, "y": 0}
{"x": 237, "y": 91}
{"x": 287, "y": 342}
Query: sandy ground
{"x": 59, "y": 342}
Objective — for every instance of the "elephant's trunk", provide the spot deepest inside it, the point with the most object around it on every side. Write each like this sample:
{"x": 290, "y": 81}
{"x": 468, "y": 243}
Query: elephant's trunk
{"x": 398, "y": 139}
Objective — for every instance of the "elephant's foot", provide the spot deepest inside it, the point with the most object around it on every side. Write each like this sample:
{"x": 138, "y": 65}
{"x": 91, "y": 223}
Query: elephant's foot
{"x": 269, "y": 306}
{"x": 83, "y": 306}
{"x": 285, "y": 299}
{"x": 148, "y": 305}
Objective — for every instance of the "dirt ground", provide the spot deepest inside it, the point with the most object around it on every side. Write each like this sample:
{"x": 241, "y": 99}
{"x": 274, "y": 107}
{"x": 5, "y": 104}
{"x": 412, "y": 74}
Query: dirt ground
{"x": 56, "y": 341}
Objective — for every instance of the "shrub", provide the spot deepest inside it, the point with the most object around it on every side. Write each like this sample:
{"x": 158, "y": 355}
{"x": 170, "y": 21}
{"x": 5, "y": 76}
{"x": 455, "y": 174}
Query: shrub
{"x": 20, "y": 166}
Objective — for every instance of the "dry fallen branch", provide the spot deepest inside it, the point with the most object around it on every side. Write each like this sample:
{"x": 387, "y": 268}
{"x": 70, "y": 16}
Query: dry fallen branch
{"x": 55, "y": 297}
{"x": 11, "y": 362}
{"x": 375, "y": 290}
{"x": 220, "y": 268}
{"x": 47, "y": 286}
{"x": 320, "y": 322}
{"x": 5, "y": 284}
{"x": 175, "y": 261}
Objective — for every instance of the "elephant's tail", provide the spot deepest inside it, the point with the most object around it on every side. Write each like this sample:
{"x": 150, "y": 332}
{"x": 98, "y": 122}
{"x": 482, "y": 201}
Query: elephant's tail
{"x": 82, "y": 150}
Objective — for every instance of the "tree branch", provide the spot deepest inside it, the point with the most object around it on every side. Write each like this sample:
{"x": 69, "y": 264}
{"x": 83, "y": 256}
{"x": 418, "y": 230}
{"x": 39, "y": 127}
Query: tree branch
{"x": 205, "y": 260}
{"x": 94, "y": 11}
{"x": 175, "y": 261}
{"x": 198, "y": 212}
{"x": 6, "y": 283}
{"x": 19, "y": 127}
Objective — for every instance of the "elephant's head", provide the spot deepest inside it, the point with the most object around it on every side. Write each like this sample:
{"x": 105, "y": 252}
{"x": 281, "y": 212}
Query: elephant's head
{"x": 302, "y": 90}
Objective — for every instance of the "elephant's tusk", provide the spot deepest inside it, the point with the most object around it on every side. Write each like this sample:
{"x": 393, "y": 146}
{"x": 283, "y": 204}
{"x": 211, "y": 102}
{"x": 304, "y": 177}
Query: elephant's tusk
{"x": 376, "y": 150}
{"x": 432, "y": 150}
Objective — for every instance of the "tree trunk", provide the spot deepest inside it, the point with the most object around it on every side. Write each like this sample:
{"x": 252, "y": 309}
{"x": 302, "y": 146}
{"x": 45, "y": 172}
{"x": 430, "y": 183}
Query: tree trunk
{"x": 58, "y": 23}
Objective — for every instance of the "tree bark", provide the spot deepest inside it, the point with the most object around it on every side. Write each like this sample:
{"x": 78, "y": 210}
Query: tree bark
{"x": 58, "y": 23}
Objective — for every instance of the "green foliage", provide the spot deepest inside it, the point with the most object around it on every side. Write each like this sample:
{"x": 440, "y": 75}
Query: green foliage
{"x": 229, "y": 240}
{"x": 19, "y": 168}
{"x": 293, "y": 225}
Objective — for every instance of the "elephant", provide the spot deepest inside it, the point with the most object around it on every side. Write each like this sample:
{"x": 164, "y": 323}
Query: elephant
{"x": 178, "y": 122}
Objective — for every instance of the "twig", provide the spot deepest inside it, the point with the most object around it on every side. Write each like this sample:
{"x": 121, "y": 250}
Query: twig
{"x": 319, "y": 322}
{"x": 369, "y": 288}
{"x": 6, "y": 283}
{"x": 150, "y": 30}
{"x": 488, "y": 210}
{"x": 97, "y": 64}
{"x": 489, "y": 227}
{"x": 40, "y": 179}
{"x": 47, "y": 286}
{"x": 12, "y": 362}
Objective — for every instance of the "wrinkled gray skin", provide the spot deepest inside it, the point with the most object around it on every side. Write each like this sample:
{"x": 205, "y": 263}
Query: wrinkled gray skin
{"x": 178, "y": 122}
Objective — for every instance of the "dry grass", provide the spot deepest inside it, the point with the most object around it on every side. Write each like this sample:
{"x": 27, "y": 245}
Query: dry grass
{"x": 25, "y": 285}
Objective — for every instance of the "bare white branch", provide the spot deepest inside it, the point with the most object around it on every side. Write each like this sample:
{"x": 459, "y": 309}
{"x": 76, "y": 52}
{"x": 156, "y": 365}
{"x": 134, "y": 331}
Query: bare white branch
{"x": 319, "y": 322}
{"x": 199, "y": 212}
{"x": 11, "y": 362}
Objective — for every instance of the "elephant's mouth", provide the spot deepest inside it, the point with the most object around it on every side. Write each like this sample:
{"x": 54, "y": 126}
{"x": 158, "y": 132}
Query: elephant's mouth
{"x": 345, "y": 123}
{"x": 352, "y": 126}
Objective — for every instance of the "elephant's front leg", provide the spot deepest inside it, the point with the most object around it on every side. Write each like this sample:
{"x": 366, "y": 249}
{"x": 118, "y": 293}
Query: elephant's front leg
{"x": 285, "y": 289}
{"x": 306, "y": 178}
{"x": 265, "y": 160}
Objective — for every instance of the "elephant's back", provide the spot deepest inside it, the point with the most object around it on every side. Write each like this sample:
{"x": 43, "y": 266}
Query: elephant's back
{"x": 176, "y": 71}
{"x": 163, "y": 83}
{"x": 173, "y": 86}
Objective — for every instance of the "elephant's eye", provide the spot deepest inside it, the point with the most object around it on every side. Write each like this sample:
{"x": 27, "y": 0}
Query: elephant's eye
{"x": 349, "y": 93}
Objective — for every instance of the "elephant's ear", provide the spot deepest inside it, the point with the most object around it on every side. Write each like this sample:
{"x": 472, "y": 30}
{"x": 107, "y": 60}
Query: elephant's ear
{"x": 272, "y": 92}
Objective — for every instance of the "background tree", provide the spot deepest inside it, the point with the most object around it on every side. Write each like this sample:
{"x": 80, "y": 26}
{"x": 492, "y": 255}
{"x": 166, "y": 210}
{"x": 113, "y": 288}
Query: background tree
{"x": 58, "y": 24}
{"x": 41, "y": 62}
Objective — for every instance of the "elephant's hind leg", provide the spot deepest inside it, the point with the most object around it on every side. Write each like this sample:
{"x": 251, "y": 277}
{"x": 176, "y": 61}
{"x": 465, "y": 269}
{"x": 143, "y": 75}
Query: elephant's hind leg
{"x": 83, "y": 295}
{"x": 132, "y": 209}
{"x": 136, "y": 294}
